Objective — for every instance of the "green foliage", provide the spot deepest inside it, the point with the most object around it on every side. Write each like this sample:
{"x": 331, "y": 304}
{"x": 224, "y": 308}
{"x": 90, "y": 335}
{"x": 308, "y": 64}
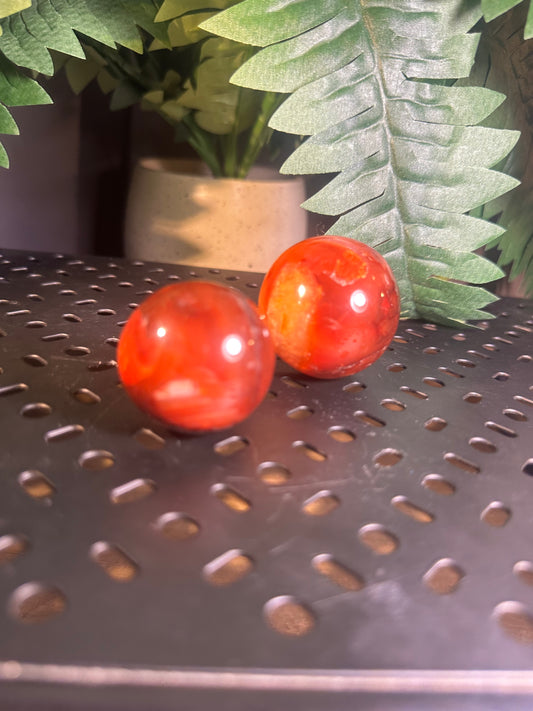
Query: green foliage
{"x": 504, "y": 63}
{"x": 34, "y": 29}
{"x": 184, "y": 75}
{"x": 371, "y": 84}
{"x": 207, "y": 64}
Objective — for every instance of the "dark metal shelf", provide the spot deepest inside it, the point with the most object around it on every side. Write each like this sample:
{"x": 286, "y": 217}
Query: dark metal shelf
{"x": 365, "y": 537}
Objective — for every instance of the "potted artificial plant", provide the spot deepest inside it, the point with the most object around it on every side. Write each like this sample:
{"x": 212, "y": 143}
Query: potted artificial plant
{"x": 224, "y": 209}
{"x": 398, "y": 102}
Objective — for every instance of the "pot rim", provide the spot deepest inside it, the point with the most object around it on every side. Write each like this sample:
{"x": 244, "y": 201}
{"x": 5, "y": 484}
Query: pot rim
{"x": 196, "y": 169}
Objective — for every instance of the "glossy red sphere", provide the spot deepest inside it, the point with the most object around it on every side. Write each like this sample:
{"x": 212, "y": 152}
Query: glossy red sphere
{"x": 196, "y": 355}
{"x": 331, "y": 305}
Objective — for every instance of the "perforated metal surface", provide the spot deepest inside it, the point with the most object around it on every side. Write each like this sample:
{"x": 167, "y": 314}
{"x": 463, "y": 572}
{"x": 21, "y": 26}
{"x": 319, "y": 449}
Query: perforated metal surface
{"x": 380, "y": 522}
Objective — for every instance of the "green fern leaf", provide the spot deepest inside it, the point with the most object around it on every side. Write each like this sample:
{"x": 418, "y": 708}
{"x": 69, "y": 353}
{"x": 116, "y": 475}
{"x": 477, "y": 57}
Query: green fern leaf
{"x": 503, "y": 63}
{"x": 50, "y": 24}
{"x": 16, "y": 89}
{"x": 30, "y": 34}
{"x": 370, "y": 84}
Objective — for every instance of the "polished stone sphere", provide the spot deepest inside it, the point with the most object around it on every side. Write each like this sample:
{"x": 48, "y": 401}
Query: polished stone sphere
{"x": 196, "y": 355}
{"x": 331, "y": 304}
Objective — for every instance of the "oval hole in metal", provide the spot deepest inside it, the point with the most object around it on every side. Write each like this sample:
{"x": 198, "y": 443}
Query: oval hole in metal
{"x": 515, "y": 620}
{"x": 286, "y": 615}
{"x": 131, "y": 491}
{"x": 113, "y": 561}
{"x": 408, "y": 508}
{"x": 378, "y": 539}
{"x": 337, "y": 573}
{"x": 36, "y": 602}
{"x": 321, "y": 504}
{"x": 443, "y": 577}
{"x": 273, "y": 474}
{"x": 438, "y": 485}
{"x": 231, "y": 445}
{"x": 228, "y": 568}
{"x": 96, "y": 460}
{"x": 12, "y": 545}
{"x": 177, "y": 526}
{"x": 231, "y": 498}
{"x": 36, "y": 484}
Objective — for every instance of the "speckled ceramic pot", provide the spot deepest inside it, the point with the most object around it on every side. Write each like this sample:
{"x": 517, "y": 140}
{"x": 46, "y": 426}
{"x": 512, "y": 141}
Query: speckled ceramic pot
{"x": 178, "y": 213}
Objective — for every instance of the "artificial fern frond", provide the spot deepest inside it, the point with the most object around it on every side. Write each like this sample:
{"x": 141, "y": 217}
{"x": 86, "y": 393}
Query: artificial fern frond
{"x": 35, "y": 28}
{"x": 504, "y": 63}
{"x": 53, "y": 24}
{"x": 369, "y": 82}
{"x": 15, "y": 88}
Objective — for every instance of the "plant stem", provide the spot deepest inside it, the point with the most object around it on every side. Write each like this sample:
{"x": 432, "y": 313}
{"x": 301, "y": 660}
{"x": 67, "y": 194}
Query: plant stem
{"x": 260, "y": 133}
{"x": 203, "y": 145}
{"x": 229, "y": 150}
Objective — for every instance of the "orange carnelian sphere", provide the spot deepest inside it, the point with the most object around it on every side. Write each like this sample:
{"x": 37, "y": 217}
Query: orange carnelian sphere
{"x": 331, "y": 305}
{"x": 196, "y": 355}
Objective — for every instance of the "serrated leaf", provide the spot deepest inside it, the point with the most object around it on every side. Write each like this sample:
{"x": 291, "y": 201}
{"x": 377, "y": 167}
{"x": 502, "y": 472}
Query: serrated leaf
{"x": 334, "y": 149}
{"x": 28, "y": 36}
{"x": 371, "y": 83}
{"x": 433, "y": 299}
{"x": 17, "y": 89}
{"x": 84, "y": 17}
{"x": 7, "y": 122}
{"x": 122, "y": 19}
{"x": 260, "y": 24}
{"x": 295, "y": 62}
{"x": 50, "y": 24}
{"x": 504, "y": 63}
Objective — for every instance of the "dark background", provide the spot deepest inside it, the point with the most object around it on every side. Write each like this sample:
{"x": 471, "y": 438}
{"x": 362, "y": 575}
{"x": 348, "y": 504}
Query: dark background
{"x": 66, "y": 188}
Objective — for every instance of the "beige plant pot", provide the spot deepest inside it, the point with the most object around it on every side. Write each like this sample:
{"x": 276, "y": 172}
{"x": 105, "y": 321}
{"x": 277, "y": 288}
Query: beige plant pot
{"x": 178, "y": 213}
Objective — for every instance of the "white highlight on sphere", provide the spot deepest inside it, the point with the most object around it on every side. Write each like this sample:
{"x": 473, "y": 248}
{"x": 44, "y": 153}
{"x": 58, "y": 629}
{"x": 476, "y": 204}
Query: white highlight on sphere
{"x": 232, "y": 346}
{"x": 358, "y": 300}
